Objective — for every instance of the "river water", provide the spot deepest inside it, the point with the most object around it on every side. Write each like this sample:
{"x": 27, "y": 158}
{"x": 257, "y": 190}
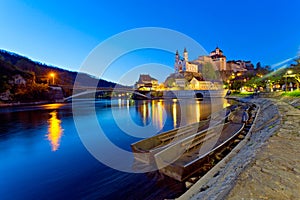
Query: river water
{"x": 43, "y": 157}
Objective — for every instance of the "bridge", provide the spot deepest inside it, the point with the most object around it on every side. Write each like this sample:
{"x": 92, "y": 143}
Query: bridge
{"x": 81, "y": 91}
{"x": 117, "y": 91}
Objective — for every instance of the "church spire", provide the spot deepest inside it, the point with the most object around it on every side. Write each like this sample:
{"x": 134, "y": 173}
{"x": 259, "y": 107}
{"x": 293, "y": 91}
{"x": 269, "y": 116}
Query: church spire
{"x": 176, "y": 56}
{"x": 185, "y": 55}
{"x": 176, "y": 61}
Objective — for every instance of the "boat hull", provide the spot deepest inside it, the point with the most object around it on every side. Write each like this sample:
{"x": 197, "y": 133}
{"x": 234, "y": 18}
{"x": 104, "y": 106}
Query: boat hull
{"x": 186, "y": 158}
{"x": 145, "y": 150}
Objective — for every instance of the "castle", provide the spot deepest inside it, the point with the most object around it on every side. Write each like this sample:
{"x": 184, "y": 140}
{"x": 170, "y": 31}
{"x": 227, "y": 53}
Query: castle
{"x": 216, "y": 58}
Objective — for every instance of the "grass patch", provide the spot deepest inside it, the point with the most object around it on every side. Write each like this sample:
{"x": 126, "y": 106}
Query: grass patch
{"x": 295, "y": 93}
{"x": 241, "y": 94}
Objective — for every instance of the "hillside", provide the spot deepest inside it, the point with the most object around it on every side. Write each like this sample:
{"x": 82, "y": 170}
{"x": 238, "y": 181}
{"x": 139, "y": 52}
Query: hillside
{"x": 37, "y": 76}
{"x": 12, "y": 63}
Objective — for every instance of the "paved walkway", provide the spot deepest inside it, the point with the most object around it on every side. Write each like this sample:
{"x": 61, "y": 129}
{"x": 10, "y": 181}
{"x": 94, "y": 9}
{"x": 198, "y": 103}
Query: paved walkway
{"x": 275, "y": 173}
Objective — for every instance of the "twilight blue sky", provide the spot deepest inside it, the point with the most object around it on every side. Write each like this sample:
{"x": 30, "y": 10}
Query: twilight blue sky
{"x": 62, "y": 33}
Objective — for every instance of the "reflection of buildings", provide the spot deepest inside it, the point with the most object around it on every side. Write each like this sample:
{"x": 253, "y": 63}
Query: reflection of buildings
{"x": 54, "y": 131}
{"x": 181, "y": 112}
{"x": 152, "y": 111}
{"x": 142, "y": 107}
{"x": 158, "y": 111}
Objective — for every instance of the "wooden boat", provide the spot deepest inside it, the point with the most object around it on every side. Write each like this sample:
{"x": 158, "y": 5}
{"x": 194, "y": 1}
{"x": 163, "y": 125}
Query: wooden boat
{"x": 184, "y": 158}
{"x": 145, "y": 150}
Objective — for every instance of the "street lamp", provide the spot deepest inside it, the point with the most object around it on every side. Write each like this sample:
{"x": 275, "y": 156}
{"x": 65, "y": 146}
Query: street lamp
{"x": 286, "y": 75}
{"x": 52, "y": 75}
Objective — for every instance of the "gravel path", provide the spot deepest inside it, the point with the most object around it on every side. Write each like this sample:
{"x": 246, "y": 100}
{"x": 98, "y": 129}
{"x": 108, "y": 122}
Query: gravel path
{"x": 275, "y": 173}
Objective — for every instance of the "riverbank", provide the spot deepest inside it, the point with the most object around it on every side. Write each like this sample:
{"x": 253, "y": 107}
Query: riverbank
{"x": 219, "y": 181}
{"x": 15, "y": 104}
{"x": 275, "y": 173}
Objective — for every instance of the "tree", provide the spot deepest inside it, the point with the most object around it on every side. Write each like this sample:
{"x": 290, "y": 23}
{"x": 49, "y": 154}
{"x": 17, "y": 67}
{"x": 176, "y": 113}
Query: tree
{"x": 258, "y": 66}
{"x": 208, "y": 72}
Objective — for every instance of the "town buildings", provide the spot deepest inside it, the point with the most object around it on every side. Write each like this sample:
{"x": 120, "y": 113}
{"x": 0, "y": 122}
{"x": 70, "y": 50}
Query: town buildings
{"x": 146, "y": 82}
{"x": 190, "y": 74}
{"x": 216, "y": 58}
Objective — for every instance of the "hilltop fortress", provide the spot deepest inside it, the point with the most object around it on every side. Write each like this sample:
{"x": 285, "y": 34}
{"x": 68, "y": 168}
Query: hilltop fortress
{"x": 204, "y": 73}
{"x": 216, "y": 58}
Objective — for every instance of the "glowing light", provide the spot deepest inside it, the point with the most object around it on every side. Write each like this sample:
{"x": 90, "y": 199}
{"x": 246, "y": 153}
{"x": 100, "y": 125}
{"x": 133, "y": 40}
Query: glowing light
{"x": 226, "y": 104}
{"x": 55, "y": 131}
{"x": 174, "y": 112}
{"x": 52, "y": 76}
{"x": 198, "y": 117}
{"x": 144, "y": 113}
{"x": 52, "y": 106}
{"x": 160, "y": 114}
{"x": 120, "y": 103}
{"x": 157, "y": 114}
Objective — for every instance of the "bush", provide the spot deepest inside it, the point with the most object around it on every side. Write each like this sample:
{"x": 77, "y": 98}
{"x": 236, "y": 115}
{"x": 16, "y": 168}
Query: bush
{"x": 295, "y": 93}
{"x": 241, "y": 94}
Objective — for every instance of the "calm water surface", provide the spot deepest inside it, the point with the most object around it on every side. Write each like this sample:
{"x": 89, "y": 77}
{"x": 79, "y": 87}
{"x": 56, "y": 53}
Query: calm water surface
{"x": 42, "y": 156}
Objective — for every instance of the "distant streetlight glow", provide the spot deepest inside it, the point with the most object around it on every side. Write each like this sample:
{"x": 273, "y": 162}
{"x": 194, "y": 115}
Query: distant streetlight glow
{"x": 286, "y": 75}
{"x": 52, "y": 75}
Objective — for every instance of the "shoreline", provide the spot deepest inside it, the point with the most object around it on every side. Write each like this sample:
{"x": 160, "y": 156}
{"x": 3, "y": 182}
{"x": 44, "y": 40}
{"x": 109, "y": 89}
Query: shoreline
{"x": 220, "y": 180}
{"x": 17, "y": 104}
{"x": 225, "y": 180}
{"x": 274, "y": 173}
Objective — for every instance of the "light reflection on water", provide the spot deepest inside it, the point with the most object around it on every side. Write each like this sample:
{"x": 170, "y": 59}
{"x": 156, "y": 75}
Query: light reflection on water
{"x": 30, "y": 167}
{"x": 55, "y": 131}
{"x": 180, "y": 112}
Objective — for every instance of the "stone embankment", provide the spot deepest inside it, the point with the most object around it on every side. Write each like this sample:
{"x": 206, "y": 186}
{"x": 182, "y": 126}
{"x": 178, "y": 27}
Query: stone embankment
{"x": 275, "y": 173}
{"x": 232, "y": 177}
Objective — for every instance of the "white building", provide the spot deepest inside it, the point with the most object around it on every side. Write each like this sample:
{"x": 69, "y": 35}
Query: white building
{"x": 183, "y": 65}
{"x": 17, "y": 80}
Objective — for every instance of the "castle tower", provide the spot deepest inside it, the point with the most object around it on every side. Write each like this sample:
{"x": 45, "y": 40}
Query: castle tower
{"x": 185, "y": 55}
{"x": 217, "y": 50}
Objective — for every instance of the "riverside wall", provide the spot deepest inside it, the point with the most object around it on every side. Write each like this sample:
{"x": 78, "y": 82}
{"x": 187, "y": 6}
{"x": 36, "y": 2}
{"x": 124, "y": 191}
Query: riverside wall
{"x": 225, "y": 179}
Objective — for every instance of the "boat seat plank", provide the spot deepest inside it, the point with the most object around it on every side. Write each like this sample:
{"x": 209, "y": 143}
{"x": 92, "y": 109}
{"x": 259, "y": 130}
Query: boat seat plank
{"x": 178, "y": 135}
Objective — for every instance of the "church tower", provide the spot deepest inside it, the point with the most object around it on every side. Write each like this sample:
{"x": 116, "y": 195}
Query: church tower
{"x": 177, "y": 57}
{"x": 185, "y": 55}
